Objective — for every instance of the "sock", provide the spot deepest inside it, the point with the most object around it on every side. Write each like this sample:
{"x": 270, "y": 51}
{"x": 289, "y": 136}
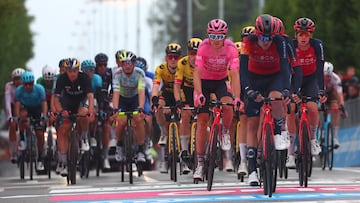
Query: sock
{"x": 277, "y": 127}
{"x": 313, "y": 132}
{"x": 242, "y": 149}
{"x": 106, "y": 153}
{"x": 184, "y": 141}
{"x": 228, "y": 154}
{"x": 62, "y": 158}
{"x": 292, "y": 144}
{"x": 162, "y": 153}
{"x": 252, "y": 155}
{"x": 84, "y": 135}
{"x": 336, "y": 131}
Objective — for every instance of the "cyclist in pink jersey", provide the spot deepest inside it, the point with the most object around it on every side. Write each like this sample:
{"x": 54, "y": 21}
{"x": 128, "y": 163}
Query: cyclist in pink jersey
{"x": 216, "y": 55}
{"x": 335, "y": 101}
{"x": 10, "y": 88}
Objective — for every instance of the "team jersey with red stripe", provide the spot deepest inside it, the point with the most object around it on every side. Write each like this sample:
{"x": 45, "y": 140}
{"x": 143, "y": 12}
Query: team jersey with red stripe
{"x": 307, "y": 60}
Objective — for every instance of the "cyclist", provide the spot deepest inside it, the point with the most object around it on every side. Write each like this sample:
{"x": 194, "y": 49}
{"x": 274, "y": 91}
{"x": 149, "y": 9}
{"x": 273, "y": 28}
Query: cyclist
{"x": 129, "y": 95}
{"x": 62, "y": 70}
{"x": 47, "y": 81}
{"x": 149, "y": 76}
{"x": 165, "y": 74}
{"x": 73, "y": 94}
{"x": 30, "y": 102}
{"x": 264, "y": 68}
{"x": 216, "y": 55}
{"x": 335, "y": 99}
{"x": 101, "y": 69}
{"x": 10, "y": 88}
{"x": 310, "y": 54}
{"x": 183, "y": 93}
{"x": 296, "y": 80}
{"x": 243, "y": 167}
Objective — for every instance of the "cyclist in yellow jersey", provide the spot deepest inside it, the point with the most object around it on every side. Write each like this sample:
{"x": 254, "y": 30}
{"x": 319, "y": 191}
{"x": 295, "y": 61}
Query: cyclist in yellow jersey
{"x": 183, "y": 93}
{"x": 165, "y": 74}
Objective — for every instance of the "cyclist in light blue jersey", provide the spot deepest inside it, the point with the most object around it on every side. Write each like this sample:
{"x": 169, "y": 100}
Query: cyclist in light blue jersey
{"x": 30, "y": 101}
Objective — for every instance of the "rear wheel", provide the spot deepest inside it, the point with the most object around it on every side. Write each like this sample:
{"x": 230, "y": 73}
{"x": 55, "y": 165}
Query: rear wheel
{"x": 306, "y": 159}
{"x": 193, "y": 146}
{"x": 31, "y": 155}
{"x": 22, "y": 164}
{"x": 129, "y": 152}
{"x": 330, "y": 146}
{"x": 49, "y": 153}
{"x": 74, "y": 145}
{"x": 174, "y": 154}
{"x": 212, "y": 157}
{"x": 98, "y": 151}
{"x": 270, "y": 164}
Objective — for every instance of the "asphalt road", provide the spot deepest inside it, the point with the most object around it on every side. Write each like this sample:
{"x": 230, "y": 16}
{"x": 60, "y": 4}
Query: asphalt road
{"x": 338, "y": 185}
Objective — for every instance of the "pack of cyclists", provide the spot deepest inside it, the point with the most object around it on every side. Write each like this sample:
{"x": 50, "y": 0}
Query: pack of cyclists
{"x": 266, "y": 63}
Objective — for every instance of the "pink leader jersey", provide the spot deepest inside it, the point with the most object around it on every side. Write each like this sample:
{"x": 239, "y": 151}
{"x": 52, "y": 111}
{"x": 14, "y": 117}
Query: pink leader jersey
{"x": 214, "y": 64}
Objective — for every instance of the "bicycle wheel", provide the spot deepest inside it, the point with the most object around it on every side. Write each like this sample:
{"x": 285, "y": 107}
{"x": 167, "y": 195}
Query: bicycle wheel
{"x": 306, "y": 158}
{"x": 212, "y": 153}
{"x": 73, "y": 156}
{"x": 330, "y": 150}
{"x": 282, "y": 156}
{"x": 193, "y": 146}
{"x": 270, "y": 163}
{"x": 49, "y": 154}
{"x": 84, "y": 164}
{"x": 174, "y": 147}
{"x": 22, "y": 164}
{"x": 129, "y": 152}
{"x": 31, "y": 154}
{"x": 98, "y": 151}
{"x": 324, "y": 148}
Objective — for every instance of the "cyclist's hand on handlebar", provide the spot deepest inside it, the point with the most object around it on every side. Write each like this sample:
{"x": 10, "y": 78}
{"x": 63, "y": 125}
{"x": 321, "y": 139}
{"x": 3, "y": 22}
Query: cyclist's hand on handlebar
{"x": 64, "y": 113}
{"x": 179, "y": 106}
{"x": 238, "y": 105}
{"x": 254, "y": 95}
{"x": 296, "y": 97}
{"x": 322, "y": 96}
{"x": 91, "y": 116}
{"x": 155, "y": 103}
{"x": 199, "y": 100}
{"x": 287, "y": 96}
{"x": 343, "y": 112}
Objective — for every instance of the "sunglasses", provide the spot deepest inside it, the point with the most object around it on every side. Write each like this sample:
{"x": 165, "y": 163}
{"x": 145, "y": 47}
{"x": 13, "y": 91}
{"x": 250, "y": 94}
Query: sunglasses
{"x": 172, "y": 57}
{"x": 192, "y": 53}
{"x": 88, "y": 69}
{"x": 127, "y": 62}
{"x": 217, "y": 36}
{"x": 102, "y": 64}
{"x": 264, "y": 38}
{"x": 28, "y": 84}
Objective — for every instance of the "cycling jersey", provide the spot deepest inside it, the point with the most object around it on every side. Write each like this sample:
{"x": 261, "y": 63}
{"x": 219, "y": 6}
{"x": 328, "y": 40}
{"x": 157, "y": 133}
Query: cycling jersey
{"x": 107, "y": 88}
{"x": 148, "y": 89}
{"x": 312, "y": 60}
{"x": 184, "y": 73}
{"x": 49, "y": 89}
{"x": 149, "y": 74}
{"x": 162, "y": 74}
{"x": 73, "y": 91}
{"x": 96, "y": 83}
{"x": 333, "y": 82}
{"x": 30, "y": 99}
{"x": 129, "y": 86}
{"x": 10, "y": 89}
{"x": 215, "y": 63}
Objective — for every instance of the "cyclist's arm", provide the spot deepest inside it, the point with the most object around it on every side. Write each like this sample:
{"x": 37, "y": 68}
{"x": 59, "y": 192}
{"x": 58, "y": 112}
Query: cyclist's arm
{"x": 295, "y": 66}
{"x": 44, "y": 107}
{"x": 197, "y": 81}
{"x": 57, "y": 94}
{"x": 234, "y": 72}
{"x": 17, "y": 102}
{"x": 8, "y": 99}
{"x": 178, "y": 79}
{"x": 156, "y": 82}
{"x": 319, "y": 50}
{"x": 115, "y": 99}
{"x": 141, "y": 90}
{"x": 90, "y": 97}
{"x": 284, "y": 63}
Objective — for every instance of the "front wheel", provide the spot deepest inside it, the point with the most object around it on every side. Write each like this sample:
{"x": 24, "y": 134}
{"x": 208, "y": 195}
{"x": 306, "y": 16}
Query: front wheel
{"x": 212, "y": 156}
{"x": 73, "y": 157}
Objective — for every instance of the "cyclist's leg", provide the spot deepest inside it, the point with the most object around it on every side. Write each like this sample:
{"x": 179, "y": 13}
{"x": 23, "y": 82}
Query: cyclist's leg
{"x": 278, "y": 115}
{"x": 335, "y": 115}
{"x": 22, "y": 127}
{"x": 105, "y": 139}
{"x": 243, "y": 168}
{"x": 291, "y": 123}
{"x": 84, "y": 128}
{"x": 12, "y": 137}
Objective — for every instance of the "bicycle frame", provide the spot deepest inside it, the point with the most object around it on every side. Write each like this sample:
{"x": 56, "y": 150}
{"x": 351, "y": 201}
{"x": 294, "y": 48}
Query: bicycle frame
{"x": 303, "y": 118}
{"x": 268, "y": 120}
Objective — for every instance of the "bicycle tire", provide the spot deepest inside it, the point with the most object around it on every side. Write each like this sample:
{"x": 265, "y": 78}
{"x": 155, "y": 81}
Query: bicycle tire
{"x": 73, "y": 156}
{"x": 212, "y": 157}
{"x": 324, "y": 148}
{"x": 22, "y": 164}
{"x": 49, "y": 155}
{"x": 282, "y": 156}
{"x": 84, "y": 164}
{"x": 98, "y": 151}
{"x": 129, "y": 152}
{"x": 31, "y": 154}
{"x": 330, "y": 146}
{"x": 193, "y": 145}
{"x": 174, "y": 147}
{"x": 236, "y": 152}
{"x": 270, "y": 171}
{"x": 306, "y": 156}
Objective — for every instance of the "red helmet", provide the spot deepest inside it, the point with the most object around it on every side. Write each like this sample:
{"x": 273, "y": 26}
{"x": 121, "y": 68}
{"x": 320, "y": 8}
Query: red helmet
{"x": 217, "y": 26}
{"x": 304, "y": 24}
{"x": 264, "y": 25}
{"x": 279, "y": 26}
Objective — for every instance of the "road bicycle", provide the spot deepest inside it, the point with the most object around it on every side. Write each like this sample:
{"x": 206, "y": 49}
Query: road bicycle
{"x": 325, "y": 133}
{"x": 129, "y": 146}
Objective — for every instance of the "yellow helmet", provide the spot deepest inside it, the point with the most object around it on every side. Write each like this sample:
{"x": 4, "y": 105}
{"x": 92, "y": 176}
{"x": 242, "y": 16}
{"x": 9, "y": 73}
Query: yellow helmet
{"x": 246, "y": 31}
{"x": 173, "y": 48}
{"x": 72, "y": 63}
{"x": 238, "y": 46}
{"x": 194, "y": 43}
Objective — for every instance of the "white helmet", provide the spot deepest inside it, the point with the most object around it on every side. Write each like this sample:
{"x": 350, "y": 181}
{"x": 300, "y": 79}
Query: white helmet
{"x": 48, "y": 72}
{"x": 328, "y": 68}
{"x": 17, "y": 72}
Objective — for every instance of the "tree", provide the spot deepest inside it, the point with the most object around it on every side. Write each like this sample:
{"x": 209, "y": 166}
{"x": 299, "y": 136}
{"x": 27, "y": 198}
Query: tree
{"x": 15, "y": 38}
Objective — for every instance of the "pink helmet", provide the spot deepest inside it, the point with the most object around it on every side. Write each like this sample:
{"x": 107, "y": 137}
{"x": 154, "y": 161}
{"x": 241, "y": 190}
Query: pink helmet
{"x": 217, "y": 26}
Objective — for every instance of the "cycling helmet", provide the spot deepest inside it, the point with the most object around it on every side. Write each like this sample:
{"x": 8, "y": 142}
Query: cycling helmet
{"x": 17, "y": 72}
{"x": 328, "y": 68}
{"x": 27, "y": 77}
{"x": 264, "y": 25}
{"x": 72, "y": 63}
{"x": 238, "y": 46}
{"x": 246, "y": 31}
{"x": 217, "y": 26}
{"x": 62, "y": 62}
{"x": 48, "y": 72}
{"x": 141, "y": 63}
{"x": 87, "y": 64}
{"x": 127, "y": 56}
{"x": 193, "y": 44}
{"x": 279, "y": 26}
{"x": 101, "y": 58}
{"x": 118, "y": 53}
{"x": 304, "y": 24}
{"x": 173, "y": 48}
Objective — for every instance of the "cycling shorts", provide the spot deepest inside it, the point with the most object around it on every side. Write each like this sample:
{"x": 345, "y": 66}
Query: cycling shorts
{"x": 187, "y": 95}
{"x": 73, "y": 106}
{"x": 310, "y": 86}
{"x": 34, "y": 112}
{"x": 129, "y": 103}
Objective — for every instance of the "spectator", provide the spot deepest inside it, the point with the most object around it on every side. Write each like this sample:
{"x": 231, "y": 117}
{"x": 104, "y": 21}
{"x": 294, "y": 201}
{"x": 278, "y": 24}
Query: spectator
{"x": 352, "y": 91}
